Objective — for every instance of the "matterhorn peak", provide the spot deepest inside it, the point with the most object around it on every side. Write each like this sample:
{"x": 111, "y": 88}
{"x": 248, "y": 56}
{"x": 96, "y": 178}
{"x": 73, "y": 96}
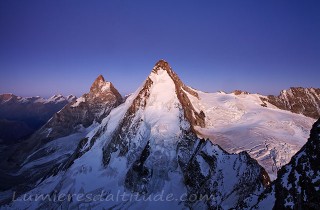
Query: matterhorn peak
{"x": 87, "y": 110}
{"x": 101, "y": 90}
{"x": 99, "y": 84}
{"x": 100, "y": 78}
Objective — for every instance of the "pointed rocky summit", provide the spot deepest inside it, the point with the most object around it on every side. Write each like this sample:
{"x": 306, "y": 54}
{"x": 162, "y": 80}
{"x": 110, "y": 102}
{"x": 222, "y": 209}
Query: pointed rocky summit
{"x": 76, "y": 116}
{"x": 183, "y": 92}
{"x": 89, "y": 108}
{"x": 98, "y": 84}
{"x": 147, "y": 146}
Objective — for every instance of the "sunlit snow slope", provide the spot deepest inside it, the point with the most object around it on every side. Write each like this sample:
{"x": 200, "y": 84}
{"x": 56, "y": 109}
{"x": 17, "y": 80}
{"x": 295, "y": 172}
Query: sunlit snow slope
{"x": 241, "y": 122}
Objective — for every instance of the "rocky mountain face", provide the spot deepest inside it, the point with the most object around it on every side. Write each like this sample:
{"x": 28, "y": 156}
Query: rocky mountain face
{"x": 20, "y": 117}
{"x": 155, "y": 144}
{"x": 240, "y": 92}
{"x": 148, "y": 146}
{"x": 298, "y": 100}
{"x": 78, "y": 115}
{"x": 298, "y": 183}
{"x": 57, "y": 140}
{"x": 89, "y": 108}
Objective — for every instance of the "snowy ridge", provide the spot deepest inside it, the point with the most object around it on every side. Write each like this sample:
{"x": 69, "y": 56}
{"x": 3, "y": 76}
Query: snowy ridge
{"x": 78, "y": 101}
{"x": 9, "y": 98}
{"x": 146, "y": 146}
{"x": 154, "y": 144}
{"x": 20, "y": 117}
{"x": 49, "y": 149}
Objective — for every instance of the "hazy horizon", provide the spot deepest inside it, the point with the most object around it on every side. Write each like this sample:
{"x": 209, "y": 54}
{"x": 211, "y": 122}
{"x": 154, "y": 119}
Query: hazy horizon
{"x": 127, "y": 93}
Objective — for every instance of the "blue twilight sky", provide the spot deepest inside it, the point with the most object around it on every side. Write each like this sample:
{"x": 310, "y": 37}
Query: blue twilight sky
{"x": 61, "y": 46}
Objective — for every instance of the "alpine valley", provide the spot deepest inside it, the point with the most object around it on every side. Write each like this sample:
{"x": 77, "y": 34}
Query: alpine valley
{"x": 237, "y": 150}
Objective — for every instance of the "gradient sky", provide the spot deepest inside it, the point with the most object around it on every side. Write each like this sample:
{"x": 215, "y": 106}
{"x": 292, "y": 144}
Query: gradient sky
{"x": 61, "y": 46}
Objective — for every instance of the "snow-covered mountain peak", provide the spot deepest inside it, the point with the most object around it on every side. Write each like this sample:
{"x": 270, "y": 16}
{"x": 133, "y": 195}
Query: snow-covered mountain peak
{"x": 71, "y": 98}
{"x": 162, "y": 110}
{"x": 163, "y": 73}
{"x": 56, "y": 98}
{"x": 149, "y": 146}
{"x": 146, "y": 146}
{"x": 155, "y": 106}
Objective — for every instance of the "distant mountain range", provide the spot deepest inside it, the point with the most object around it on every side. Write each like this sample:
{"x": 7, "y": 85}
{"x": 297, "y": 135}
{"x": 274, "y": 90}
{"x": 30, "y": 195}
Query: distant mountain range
{"x": 20, "y": 117}
{"x": 246, "y": 151}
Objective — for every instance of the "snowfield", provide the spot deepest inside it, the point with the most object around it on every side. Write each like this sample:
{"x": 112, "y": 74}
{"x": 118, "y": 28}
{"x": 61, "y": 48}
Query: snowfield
{"x": 239, "y": 123}
{"x": 148, "y": 146}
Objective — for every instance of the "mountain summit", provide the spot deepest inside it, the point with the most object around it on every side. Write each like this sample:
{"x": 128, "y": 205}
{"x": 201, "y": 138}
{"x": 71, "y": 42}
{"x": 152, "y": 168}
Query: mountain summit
{"x": 161, "y": 64}
{"x": 54, "y": 142}
{"x": 195, "y": 117}
{"x": 20, "y": 117}
{"x": 148, "y": 146}
{"x": 98, "y": 84}
{"x": 152, "y": 145}
{"x": 89, "y": 108}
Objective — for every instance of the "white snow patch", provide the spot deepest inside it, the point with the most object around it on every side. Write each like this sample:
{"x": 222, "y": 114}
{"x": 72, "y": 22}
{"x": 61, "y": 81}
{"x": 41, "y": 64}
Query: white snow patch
{"x": 105, "y": 87}
{"x": 78, "y": 102}
{"x": 239, "y": 123}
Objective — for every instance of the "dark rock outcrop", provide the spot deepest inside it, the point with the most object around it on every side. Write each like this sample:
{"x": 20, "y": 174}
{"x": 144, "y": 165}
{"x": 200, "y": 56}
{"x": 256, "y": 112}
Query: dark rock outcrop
{"x": 240, "y": 92}
{"x": 298, "y": 100}
{"x": 298, "y": 183}
{"x": 89, "y": 108}
{"x": 206, "y": 168}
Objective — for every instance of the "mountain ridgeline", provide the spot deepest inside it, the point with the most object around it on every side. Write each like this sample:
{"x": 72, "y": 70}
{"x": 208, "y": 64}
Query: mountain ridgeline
{"x": 89, "y": 108}
{"x": 155, "y": 143}
{"x": 58, "y": 138}
{"x": 299, "y": 100}
{"x": 20, "y": 117}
